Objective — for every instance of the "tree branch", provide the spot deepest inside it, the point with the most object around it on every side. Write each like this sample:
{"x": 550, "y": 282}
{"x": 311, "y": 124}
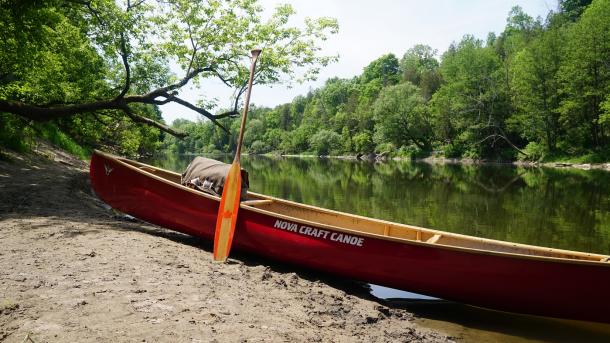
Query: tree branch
{"x": 163, "y": 91}
{"x": 199, "y": 110}
{"x": 41, "y": 114}
{"x": 126, "y": 65}
{"x": 144, "y": 120}
{"x": 495, "y": 137}
{"x": 230, "y": 114}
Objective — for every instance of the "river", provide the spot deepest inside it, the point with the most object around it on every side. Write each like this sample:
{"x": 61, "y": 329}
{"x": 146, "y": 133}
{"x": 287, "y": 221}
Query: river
{"x": 559, "y": 208}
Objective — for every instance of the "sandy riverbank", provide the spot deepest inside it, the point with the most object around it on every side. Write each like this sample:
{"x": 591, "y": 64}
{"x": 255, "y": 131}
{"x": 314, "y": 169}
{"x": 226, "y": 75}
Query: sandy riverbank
{"x": 73, "y": 271}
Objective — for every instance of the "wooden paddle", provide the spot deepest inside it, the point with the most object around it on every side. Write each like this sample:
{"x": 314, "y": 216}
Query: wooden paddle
{"x": 229, "y": 202}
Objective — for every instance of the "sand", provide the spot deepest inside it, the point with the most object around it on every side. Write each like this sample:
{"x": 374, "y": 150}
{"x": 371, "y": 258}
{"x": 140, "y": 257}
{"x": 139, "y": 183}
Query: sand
{"x": 72, "y": 270}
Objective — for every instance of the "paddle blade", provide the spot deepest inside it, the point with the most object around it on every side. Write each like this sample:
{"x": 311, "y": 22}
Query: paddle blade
{"x": 227, "y": 214}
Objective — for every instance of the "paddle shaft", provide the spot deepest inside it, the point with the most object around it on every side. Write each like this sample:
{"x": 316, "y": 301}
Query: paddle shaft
{"x": 229, "y": 202}
{"x": 242, "y": 127}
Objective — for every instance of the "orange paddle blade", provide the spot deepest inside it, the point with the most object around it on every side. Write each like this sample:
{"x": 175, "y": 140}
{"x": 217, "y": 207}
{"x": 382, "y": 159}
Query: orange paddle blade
{"x": 227, "y": 214}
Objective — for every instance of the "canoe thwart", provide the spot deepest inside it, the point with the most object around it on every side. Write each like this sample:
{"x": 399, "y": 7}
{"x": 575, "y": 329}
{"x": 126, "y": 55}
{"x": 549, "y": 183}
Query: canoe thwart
{"x": 434, "y": 239}
{"x": 257, "y": 202}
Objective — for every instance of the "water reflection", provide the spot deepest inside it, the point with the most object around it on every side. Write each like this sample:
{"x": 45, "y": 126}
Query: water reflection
{"x": 568, "y": 209}
{"x": 473, "y": 324}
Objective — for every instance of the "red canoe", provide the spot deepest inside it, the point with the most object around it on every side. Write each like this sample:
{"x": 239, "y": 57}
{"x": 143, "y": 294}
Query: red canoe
{"x": 481, "y": 272}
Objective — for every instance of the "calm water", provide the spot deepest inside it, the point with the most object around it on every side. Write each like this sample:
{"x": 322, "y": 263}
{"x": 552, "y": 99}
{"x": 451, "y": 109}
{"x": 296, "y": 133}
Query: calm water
{"x": 568, "y": 209}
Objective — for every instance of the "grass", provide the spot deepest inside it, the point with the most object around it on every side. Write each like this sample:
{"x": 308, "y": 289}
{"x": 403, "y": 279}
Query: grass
{"x": 21, "y": 138}
{"x": 591, "y": 157}
{"x": 63, "y": 141}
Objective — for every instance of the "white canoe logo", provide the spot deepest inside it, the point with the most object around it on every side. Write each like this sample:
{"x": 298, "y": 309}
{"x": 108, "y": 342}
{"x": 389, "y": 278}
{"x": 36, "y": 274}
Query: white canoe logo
{"x": 319, "y": 233}
{"x": 108, "y": 169}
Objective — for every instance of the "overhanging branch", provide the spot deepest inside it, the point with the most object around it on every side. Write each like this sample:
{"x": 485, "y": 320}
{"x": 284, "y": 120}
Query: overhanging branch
{"x": 41, "y": 114}
{"x": 159, "y": 96}
{"x": 199, "y": 110}
{"x": 144, "y": 120}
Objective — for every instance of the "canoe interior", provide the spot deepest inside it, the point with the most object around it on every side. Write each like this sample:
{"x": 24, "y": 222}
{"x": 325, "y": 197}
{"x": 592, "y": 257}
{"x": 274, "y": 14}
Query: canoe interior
{"x": 380, "y": 228}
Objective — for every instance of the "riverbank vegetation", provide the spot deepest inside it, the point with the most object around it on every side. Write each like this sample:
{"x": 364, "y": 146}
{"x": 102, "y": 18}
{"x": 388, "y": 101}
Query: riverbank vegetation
{"x": 94, "y": 73}
{"x": 540, "y": 90}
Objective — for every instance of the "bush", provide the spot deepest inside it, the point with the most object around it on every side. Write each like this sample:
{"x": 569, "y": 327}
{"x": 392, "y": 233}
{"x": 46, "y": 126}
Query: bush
{"x": 535, "y": 152}
{"x": 363, "y": 142}
{"x": 325, "y": 142}
{"x": 453, "y": 150}
{"x": 57, "y": 137}
{"x": 385, "y": 148}
{"x": 13, "y": 133}
{"x": 258, "y": 147}
{"x": 412, "y": 151}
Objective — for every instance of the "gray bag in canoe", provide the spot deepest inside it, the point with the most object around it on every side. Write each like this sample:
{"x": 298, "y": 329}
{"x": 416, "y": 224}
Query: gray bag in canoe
{"x": 208, "y": 176}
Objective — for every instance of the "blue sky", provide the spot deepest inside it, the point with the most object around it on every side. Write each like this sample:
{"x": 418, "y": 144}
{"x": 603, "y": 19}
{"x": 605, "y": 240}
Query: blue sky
{"x": 370, "y": 29}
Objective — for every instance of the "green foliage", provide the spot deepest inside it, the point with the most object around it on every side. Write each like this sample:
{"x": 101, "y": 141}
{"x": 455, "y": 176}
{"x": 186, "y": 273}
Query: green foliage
{"x": 55, "y": 53}
{"x": 325, "y": 142}
{"x": 386, "y": 69}
{"x": 536, "y": 84}
{"x": 532, "y": 87}
{"x": 274, "y": 139}
{"x": 386, "y": 147}
{"x": 14, "y": 133}
{"x": 585, "y": 76}
{"x": 572, "y": 9}
{"x": 363, "y": 142}
{"x": 401, "y": 117}
{"x": 534, "y": 151}
{"x": 259, "y": 147}
{"x": 60, "y": 139}
{"x": 420, "y": 67}
{"x": 541, "y": 86}
{"x": 453, "y": 150}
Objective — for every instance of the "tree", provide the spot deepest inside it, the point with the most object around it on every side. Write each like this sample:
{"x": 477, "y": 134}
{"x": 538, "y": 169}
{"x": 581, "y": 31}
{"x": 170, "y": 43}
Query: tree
{"x": 325, "y": 142}
{"x": 585, "y": 76}
{"x": 363, "y": 142}
{"x": 573, "y": 8}
{"x": 471, "y": 106}
{"x": 72, "y": 57}
{"x": 536, "y": 89}
{"x": 255, "y": 129}
{"x": 519, "y": 31}
{"x": 401, "y": 117}
{"x": 420, "y": 67}
{"x": 386, "y": 69}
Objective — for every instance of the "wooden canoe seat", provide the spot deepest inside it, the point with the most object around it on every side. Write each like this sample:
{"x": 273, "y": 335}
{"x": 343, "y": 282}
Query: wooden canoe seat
{"x": 257, "y": 202}
{"x": 434, "y": 239}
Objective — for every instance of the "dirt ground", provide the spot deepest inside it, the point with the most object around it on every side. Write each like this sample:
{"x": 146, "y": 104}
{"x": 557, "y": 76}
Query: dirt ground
{"x": 71, "y": 270}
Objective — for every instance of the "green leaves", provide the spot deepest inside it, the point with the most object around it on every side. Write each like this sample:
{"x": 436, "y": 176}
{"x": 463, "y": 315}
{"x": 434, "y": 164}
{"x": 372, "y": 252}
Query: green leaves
{"x": 585, "y": 77}
{"x": 401, "y": 117}
{"x": 121, "y": 58}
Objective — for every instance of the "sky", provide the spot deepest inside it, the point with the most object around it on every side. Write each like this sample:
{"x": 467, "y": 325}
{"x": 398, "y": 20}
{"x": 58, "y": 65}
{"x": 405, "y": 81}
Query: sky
{"x": 369, "y": 29}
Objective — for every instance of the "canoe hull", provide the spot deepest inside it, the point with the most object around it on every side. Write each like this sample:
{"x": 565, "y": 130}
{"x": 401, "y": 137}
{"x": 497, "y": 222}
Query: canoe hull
{"x": 547, "y": 287}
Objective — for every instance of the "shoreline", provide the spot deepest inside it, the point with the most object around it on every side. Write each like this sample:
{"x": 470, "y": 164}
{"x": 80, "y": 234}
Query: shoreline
{"x": 72, "y": 270}
{"x": 461, "y": 161}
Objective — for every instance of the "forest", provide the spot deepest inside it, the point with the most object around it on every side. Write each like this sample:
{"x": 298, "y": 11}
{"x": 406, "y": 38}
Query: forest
{"x": 92, "y": 74}
{"x": 540, "y": 90}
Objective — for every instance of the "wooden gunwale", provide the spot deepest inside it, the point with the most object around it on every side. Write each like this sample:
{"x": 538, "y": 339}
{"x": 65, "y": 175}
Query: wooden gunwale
{"x": 568, "y": 255}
